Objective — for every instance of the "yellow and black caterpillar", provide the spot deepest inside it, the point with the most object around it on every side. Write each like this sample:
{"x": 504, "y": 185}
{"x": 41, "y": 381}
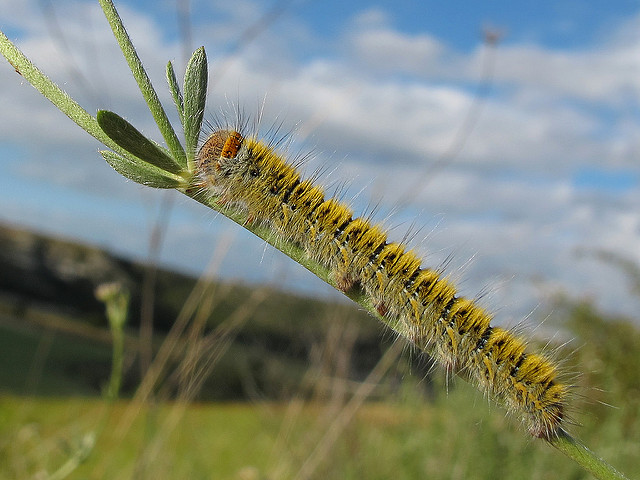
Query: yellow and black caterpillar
{"x": 424, "y": 305}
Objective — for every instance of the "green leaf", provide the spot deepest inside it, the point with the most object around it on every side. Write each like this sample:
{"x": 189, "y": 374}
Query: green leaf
{"x": 127, "y": 137}
{"x": 195, "y": 98}
{"x": 175, "y": 90}
{"x": 140, "y": 172}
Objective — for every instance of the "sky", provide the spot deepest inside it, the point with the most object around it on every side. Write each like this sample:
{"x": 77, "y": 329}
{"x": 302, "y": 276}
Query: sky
{"x": 512, "y": 164}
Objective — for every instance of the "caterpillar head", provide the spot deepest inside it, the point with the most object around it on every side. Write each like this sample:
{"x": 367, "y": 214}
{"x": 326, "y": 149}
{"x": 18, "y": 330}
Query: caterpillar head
{"x": 217, "y": 156}
{"x": 224, "y": 162}
{"x": 227, "y": 167}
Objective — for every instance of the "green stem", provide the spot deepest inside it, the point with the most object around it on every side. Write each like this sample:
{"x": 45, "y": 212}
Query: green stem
{"x": 53, "y": 92}
{"x": 584, "y": 457}
{"x": 144, "y": 83}
{"x": 78, "y": 457}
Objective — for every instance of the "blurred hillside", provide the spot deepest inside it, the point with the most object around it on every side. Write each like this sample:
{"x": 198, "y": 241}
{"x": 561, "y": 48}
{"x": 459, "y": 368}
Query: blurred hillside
{"x": 56, "y": 340}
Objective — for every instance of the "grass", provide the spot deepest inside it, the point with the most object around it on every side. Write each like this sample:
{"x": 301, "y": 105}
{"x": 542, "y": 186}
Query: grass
{"x": 225, "y": 440}
{"x": 452, "y": 432}
{"x": 403, "y": 439}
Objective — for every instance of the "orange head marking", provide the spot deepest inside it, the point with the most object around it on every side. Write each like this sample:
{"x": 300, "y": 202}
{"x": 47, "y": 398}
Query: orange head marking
{"x": 231, "y": 145}
{"x": 220, "y": 144}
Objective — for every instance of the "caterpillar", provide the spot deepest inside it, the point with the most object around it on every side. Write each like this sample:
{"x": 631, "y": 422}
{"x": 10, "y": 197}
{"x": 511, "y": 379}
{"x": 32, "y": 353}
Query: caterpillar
{"x": 251, "y": 174}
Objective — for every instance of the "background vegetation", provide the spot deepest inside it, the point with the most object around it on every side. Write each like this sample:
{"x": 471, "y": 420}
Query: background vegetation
{"x": 259, "y": 384}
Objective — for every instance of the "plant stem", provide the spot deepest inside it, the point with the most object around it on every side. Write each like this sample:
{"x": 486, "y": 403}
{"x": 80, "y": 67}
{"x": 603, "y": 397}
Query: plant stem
{"x": 144, "y": 83}
{"x": 54, "y": 93}
{"x": 584, "y": 457}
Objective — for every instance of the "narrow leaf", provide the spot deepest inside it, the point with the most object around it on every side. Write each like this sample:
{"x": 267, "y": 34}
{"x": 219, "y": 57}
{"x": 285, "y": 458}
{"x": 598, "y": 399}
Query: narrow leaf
{"x": 139, "y": 171}
{"x": 175, "y": 90}
{"x": 195, "y": 97}
{"x": 127, "y": 137}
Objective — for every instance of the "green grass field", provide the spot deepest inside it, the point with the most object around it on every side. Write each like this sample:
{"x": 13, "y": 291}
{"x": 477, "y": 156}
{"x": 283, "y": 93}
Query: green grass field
{"x": 447, "y": 431}
{"x": 266, "y": 440}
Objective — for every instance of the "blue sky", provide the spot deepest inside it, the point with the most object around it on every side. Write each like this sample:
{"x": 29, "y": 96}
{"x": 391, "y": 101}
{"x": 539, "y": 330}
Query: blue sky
{"x": 512, "y": 160}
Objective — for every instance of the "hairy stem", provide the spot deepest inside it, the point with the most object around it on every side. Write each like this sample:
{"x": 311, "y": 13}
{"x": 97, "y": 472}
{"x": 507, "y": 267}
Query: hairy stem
{"x": 53, "y": 92}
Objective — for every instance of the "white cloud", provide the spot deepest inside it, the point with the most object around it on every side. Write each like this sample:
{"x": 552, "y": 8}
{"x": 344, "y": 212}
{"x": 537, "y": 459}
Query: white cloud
{"x": 607, "y": 73}
{"x": 392, "y": 51}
